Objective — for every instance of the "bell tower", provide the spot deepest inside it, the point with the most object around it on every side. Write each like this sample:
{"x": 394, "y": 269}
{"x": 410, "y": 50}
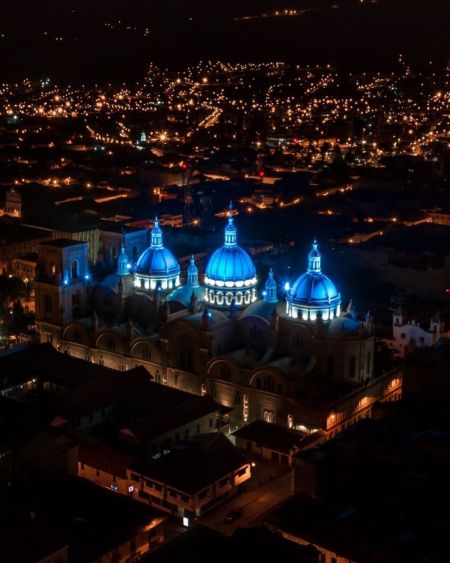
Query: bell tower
{"x": 61, "y": 285}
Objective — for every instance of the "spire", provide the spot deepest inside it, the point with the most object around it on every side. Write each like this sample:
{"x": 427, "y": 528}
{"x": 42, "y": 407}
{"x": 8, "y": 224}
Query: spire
{"x": 122, "y": 262}
{"x": 230, "y": 229}
{"x": 351, "y": 309}
{"x": 193, "y": 303}
{"x": 157, "y": 239}
{"x": 314, "y": 259}
{"x": 270, "y": 289}
{"x": 192, "y": 273}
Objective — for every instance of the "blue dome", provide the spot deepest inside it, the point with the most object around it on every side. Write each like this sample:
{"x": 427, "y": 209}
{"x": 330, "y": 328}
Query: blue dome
{"x": 311, "y": 287}
{"x": 230, "y": 263}
{"x": 314, "y": 293}
{"x": 157, "y": 261}
{"x": 230, "y": 275}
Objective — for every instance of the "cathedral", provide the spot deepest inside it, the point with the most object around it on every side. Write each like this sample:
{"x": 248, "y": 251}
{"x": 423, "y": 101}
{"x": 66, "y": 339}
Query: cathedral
{"x": 300, "y": 362}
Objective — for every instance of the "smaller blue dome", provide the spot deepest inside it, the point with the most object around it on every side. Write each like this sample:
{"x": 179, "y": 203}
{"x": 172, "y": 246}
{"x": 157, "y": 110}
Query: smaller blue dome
{"x": 314, "y": 293}
{"x": 313, "y": 287}
{"x": 157, "y": 261}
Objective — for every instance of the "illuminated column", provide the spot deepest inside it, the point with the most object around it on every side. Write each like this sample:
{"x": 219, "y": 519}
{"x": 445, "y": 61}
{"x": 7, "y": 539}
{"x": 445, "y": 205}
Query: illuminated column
{"x": 245, "y": 407}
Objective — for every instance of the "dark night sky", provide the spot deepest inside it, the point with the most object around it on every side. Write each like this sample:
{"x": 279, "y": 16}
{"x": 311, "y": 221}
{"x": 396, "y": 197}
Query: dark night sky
{"x": 181, "y": 32}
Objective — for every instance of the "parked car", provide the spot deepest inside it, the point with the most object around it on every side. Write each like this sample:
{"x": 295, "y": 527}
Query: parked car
{"x": 233, "y": 515}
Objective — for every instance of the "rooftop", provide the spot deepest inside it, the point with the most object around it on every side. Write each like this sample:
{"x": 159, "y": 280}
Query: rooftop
{"x": 270, "y": 436}
{"x": 204, "y": 459}
{"x": 63, "y": 242}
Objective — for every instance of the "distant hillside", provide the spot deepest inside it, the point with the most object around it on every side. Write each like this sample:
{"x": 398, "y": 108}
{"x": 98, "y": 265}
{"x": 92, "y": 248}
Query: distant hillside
{"x": 114, "y": 40}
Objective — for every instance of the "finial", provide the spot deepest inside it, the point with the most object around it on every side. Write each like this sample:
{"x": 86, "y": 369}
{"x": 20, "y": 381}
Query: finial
{"x": 230, "y": 211}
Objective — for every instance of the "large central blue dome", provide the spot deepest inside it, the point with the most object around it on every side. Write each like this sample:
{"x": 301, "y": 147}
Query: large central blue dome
{"x": 230, "y": 263}
{"x": 313, "y": 293}
{"x": 230, "y": 274}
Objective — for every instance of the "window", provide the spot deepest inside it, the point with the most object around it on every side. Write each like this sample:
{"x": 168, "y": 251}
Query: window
{"x": 403, "y": 335}
{"x": 267, "y": 384}
{"x": 210, "y": 422}
{"x": 242, "y": 471}
{"x": 146, "y": 353}
{"x": 110, "y": 345}
{"x": 225, "y": 373}
{"x": 203, "y": 494}
{"x": 297, "y": 341}
{"x": 74, "y": 269}
{"x": 237, "y": 398}
{"x": 268, "y": 415}
{"x": 255, "y": 332}
{"x": 48, "y": 304}
{"x": 185, "y": 498}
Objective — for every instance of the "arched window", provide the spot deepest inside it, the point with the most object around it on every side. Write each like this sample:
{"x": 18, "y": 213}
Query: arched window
{"x": 110, "y": 345}
{"x": 186, "y": 356}
{"x": 255, "y": 332}
{"x": 225, "y": 373}
{"x": 74, "y": 269}
{"x": 146, "y": 353}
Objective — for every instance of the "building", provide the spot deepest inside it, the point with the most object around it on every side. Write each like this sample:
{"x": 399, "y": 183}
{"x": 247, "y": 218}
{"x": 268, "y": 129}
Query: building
{"x": 352, "y": 495}
{"x": 70, "y": 519}
{"x": 258, "y": 543}
{"x": 113, "y": 236}
{"x": 303, "y": 364}
{"x": 195, "y": 476}
{"x": 13, "y": 203}
{"x": 274, "y": 442}
{"x": 19, "y": 241}
{"x": 409, "y": 334}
